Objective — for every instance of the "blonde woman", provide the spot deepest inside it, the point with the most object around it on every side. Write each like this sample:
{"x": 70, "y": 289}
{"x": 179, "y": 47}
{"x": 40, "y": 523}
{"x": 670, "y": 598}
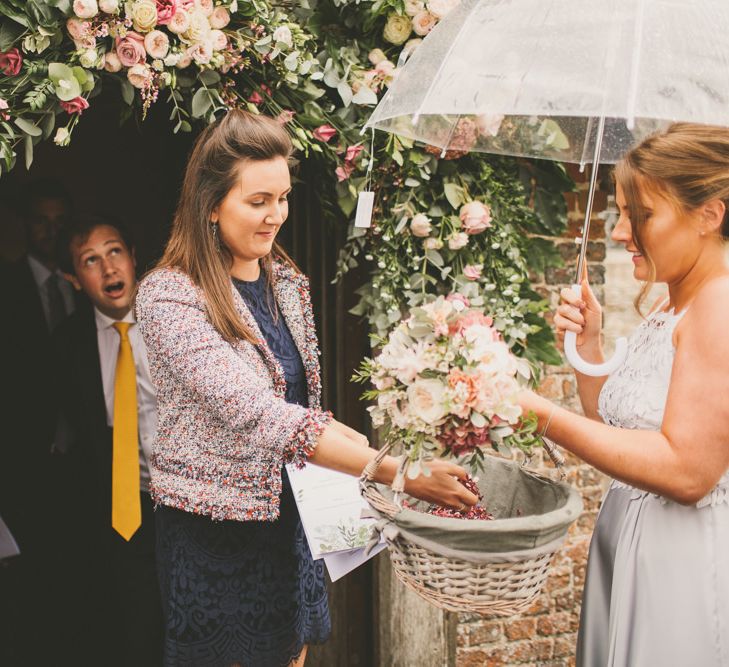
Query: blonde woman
{"x": 227, "y": 321}
{"x": 657, "y": 586}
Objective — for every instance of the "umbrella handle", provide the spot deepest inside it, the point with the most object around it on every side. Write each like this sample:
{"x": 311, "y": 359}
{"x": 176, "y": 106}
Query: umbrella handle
{"x": 584, "y": 367}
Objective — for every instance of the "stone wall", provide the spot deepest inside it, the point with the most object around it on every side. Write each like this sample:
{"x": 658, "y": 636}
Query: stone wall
{"x": 546, "y": 634}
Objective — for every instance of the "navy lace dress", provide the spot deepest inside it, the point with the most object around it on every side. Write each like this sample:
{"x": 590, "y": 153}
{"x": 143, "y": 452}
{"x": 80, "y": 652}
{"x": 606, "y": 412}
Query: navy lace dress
{"x": 243, "y": 593}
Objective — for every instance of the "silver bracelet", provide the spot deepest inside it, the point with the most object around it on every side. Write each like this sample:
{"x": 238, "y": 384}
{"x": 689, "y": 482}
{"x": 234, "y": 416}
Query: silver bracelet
{"x": 549, "y": 421}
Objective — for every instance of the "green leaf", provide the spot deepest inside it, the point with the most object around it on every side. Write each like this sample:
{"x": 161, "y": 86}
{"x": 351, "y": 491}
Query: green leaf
{"x": 127, "y": 91}
{"x": 28, "y": 151}
{"x": 28, "y": 127}
{"x": 201, "y": 103}
{"x": 455, "y": 195}
{"x": 48, "y": 124}
{"x": 209, "y": 77}
{"x": 10, "y": 32}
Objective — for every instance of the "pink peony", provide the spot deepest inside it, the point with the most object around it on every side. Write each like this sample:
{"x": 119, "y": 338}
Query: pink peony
{"x": 130, "y": 49}
{"x": 476, "y": 217}
{"x": 324, "y": 133}
{"x": 166, "y": 9}
{"x": 76, "y": 105}
{"x": 10, "y": 62}
{"x": 472, "y": 271}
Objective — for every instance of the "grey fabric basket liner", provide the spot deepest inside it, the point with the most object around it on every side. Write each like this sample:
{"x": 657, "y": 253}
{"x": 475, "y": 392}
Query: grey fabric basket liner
{"x": 530, "y": 511}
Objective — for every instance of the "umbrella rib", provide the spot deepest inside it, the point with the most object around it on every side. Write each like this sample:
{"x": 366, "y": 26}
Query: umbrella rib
{"x": 416, "y": 117}
{"x": 633, "y": 91}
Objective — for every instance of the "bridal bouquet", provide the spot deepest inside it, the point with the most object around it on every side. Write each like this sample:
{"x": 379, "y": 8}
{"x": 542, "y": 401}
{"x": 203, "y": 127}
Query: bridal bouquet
{"x": 446, "y": 384}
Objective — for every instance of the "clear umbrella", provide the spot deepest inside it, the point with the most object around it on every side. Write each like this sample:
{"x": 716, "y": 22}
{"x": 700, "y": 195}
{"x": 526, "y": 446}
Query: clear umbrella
{"x": 569, "y": 80}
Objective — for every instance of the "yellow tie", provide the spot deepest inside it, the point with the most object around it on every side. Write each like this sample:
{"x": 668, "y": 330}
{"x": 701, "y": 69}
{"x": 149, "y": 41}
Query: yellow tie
{"x": 126, "y": 509}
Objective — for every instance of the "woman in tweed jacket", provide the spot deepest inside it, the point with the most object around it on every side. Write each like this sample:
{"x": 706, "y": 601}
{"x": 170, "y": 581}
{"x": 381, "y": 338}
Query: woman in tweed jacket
{"x": 230, "y": 336}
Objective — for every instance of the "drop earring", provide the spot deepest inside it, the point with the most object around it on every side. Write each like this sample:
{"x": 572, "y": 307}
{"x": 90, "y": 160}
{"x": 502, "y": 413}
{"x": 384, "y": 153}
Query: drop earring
{"x": 214, "y": 226}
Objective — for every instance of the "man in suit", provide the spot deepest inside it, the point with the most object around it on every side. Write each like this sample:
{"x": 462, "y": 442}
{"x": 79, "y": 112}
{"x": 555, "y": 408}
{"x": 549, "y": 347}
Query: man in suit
{"x": 110, "y": 405}
{"x": 35, "y": 300}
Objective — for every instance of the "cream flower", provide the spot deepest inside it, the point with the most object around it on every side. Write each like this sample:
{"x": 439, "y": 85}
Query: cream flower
{"x": 85, "y": 9}
{"x": 199, "y": 29}
{"x": 457, "y": 240}
{"x": 179, "y": 23}
{"x": 411, "y": 45}
{"x": 426, "y": 400}
{"x": 205, "y": 6}
{"x": 283, "y": 34}
{"x": 397, "y": 29}
{"x": 376, "y": 56}
{"x": 218, "y": 40}
{"x": 139, "y": 75}
{"x": 63, "y": 136}
{"x": 441, "y": 8}
{"x": 201, "y": 52}
{"x": 432, "y": 244}
{"x": 420, "y": 225}
{"x": 423, "y": 23}
{"x": 89, "y": 58}
{"x": 413, "y": 7}
{"x": 112, "y": 63}
{"x": 109, "y": 6}
{"x": 157, "y": 44}
{"x": 219, "y": 18}
{"x": 144, "y": 15}
{"x": 77, "y": 28}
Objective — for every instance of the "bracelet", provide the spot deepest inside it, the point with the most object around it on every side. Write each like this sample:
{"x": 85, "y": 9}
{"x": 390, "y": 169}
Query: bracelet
{"x": 548, "y": 422}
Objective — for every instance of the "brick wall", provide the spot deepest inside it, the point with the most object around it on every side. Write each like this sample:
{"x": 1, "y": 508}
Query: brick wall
{"x": 546, "y": 634}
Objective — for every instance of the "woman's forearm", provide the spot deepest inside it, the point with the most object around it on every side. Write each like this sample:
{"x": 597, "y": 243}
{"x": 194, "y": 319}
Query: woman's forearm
{"x": 588, "y": 388}
{"x": 645, "y": 459}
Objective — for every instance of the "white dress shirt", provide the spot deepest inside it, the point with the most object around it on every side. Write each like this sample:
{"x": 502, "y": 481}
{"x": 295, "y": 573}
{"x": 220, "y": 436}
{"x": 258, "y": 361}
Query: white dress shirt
{"x": 108, "y": 339}
{"x": 40, "y": 276}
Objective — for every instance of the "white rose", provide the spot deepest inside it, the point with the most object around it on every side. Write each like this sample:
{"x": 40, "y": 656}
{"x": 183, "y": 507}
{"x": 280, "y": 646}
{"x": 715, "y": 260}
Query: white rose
{"x": 413, "y": 7}
{"x": 488, "y": 125}
{"x": 139, "y": 75}
{"x": 458, "y": 240}
{"x": 220, "y": 18}
{"x": 201, "y": 52}
{"x": 172, "y": 59}
{"x": 89, "y": 58}
{"x": 109, "y": 6}
{"x": 85, "y": 9}
{"x": 426, "y": 400}
{"x": 441, "y": 8}
{"x": 397, "y": 29}
{"x": 420, "y": 225}
{"x": 218, "y": 40}
{"x": 144, "y": 15}
{"x": 157, "y": 44}
{"x": 205, "y": 6}
{"x": 423, "y": 23}
{"x": 376, "y": 56}
{"x": 179, "y": 23}
{"x": 112, "y": 63}
{"x": 63, "y": 136}
{"x": 199, "y": 29}
{"x": 283, "y": 34}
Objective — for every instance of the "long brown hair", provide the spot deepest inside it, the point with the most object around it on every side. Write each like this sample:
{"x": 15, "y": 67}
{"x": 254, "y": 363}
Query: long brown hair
{"x": 688, "y": 164}
{"x": 211, "y": 172}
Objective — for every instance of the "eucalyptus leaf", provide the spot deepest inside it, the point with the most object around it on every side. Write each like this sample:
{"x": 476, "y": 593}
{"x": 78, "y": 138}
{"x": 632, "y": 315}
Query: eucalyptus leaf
{"x": 201, "y": 103}
{"x": 29, "y": 128}
{"x": 28, "y": 151}
{"x": 127, "y": 91}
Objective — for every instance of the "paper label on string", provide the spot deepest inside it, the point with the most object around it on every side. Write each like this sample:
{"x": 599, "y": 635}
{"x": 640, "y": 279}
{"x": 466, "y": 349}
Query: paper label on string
{"x": 365, "y": 202}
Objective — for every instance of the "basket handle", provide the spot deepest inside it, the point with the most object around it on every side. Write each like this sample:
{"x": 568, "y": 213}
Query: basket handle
{"x": 555, "y": 455}
{"x": 368, "y": 487}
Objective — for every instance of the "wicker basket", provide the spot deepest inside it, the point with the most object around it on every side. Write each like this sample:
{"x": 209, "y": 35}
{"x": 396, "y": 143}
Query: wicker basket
{"x": 496, "y": 567}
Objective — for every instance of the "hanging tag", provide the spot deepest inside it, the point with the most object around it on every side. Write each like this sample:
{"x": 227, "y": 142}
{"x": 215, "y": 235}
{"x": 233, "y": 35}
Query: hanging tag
{"x": 365, "y": 202}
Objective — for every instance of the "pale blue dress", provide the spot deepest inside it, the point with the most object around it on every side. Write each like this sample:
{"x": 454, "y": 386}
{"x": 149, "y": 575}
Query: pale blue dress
{"x": 657, "y": 585}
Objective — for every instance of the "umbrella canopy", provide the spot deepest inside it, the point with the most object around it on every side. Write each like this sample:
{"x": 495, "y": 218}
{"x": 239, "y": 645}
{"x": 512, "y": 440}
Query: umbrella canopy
{"x": 534, "y": 77}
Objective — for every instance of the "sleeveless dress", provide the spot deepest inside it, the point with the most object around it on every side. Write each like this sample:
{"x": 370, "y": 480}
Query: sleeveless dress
{"x": 657, "y": 583}
{"x": 243, "y": 593}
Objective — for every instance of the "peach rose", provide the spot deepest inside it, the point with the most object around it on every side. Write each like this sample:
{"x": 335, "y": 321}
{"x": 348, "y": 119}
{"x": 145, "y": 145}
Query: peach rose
{"x": 112, "y": 63}
{"x": 420, "y": 225}
{"x": 220, "y": 18}
{"x": 475, "y": 216}
{"x": 139, "y": 75}
{"x": 423, "y": 23}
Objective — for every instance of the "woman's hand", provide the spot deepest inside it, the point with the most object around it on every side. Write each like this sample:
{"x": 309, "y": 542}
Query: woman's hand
{"x": 442, "y": 486}
{"x": 581, "y": 314}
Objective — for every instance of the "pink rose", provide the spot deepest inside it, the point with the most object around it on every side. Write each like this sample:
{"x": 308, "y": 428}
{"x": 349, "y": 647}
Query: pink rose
{"x": 475, "y": 217}
{"x": 286, "y": 116}
{"x": 10, "y": 62}
{"x": 455, "y": 297}
{"x": 457, "y": 240}
{"x": 472, "y": 271}
{"x": 77, "y": 28}
{"x": 85, "y": 9}
{"x": 179, "y": 22}
{"x": 324, "y": 133}
{"x": 344, "y": 172}
{"x": 420, "y": 225}
{"x": 255, "y": 98}
{"x": 76, "y": 105}
{"x": 220, "y": 18}
{"x": 166, "y": 9}
{"x": 206, "y": 6}
{"x": 423, "y": 23}
{"x": 157, "y": 44}
{"x": 130, "y": 49}
{"x": 201, "y": 52}
{"x": 4, "y": 110}
{"x": 352, "y": 153}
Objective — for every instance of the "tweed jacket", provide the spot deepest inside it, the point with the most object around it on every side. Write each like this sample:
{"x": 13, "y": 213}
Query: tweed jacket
{"x": 224, "y": 429}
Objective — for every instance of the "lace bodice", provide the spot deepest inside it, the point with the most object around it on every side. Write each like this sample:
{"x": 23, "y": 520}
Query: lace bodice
{"x": 634, "y": 396}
